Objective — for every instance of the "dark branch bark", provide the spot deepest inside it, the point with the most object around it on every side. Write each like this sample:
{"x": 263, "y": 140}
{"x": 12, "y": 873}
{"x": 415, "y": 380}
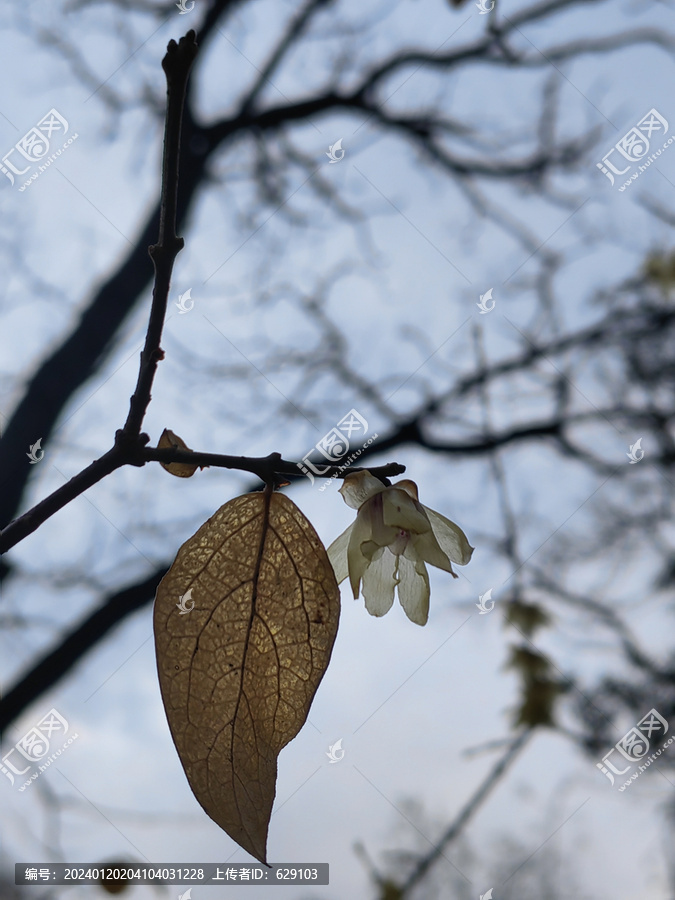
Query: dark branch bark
{"x": 80, "y": 356}
{"x": 177, "y": 65}
{"x": 270, "y": 469}
{"x": 70, "y": 366}
{"x": 84, "y": 351}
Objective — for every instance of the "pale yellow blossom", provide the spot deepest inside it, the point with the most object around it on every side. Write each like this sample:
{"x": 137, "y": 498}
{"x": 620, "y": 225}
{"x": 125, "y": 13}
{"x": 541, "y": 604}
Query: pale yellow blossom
{"x": 386, "y": 548}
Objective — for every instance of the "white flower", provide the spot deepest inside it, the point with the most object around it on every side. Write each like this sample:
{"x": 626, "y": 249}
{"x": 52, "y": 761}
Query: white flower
{"x": 390, "y": 541}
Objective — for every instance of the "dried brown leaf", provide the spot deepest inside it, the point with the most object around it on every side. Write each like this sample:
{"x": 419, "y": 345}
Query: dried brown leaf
{"x": 169, "y": 439}
{"x": 238, "y": 672}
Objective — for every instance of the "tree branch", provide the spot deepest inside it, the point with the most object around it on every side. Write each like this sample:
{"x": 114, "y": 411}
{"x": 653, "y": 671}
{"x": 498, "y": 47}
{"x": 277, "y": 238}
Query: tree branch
{"x": 81, "y": 354}
{"x": 176, "y": 64}
{"x": 466, "y": 813}
{"x": 269, "y": 469}
{"x": 71, "y": 648}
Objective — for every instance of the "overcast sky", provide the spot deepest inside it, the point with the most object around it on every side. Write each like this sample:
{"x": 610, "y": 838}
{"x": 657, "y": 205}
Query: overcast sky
{"x": 407, "y": 702}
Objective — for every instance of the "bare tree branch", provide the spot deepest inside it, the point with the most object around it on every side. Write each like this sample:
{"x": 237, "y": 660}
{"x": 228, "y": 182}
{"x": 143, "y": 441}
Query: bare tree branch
{"x": 75, "y": 644}
{"x": 176, "y": 64}
{"x": 466, "y": 813}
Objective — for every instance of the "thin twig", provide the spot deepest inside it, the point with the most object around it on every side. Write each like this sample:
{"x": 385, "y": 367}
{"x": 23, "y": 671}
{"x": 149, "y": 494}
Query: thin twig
{"x": 129, "y": 447}
{"x": 267, "y": 468}
{"x": 466, "y": 813}
{"x": 31, "y": 520}
{"x": 176, "y": 64}
{"x": 270, "y": 469}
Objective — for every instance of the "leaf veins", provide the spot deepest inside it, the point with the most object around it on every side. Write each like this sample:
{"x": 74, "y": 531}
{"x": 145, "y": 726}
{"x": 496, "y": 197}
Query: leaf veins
{"x": 239, "y": 672}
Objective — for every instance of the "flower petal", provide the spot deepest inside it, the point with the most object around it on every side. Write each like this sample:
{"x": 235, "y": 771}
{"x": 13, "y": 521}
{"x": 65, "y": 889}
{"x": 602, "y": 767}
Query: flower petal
{"x": 379, "y": 582}
{"x": 356, "y": 561}
{"x": 359, "y": 487}
{"x": 401, "y": 511}
{"x": 372, "y": 513}
{"x": 426, "y": 547}
{"x": 409, "y": 487}
{"x": 337, "y": 554}
{"x": 450, "y": 537}
{"x": 413, "y": 589}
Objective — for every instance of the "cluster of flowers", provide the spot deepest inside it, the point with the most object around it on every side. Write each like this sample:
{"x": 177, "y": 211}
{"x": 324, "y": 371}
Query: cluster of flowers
{"x": 386, "y": 548}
